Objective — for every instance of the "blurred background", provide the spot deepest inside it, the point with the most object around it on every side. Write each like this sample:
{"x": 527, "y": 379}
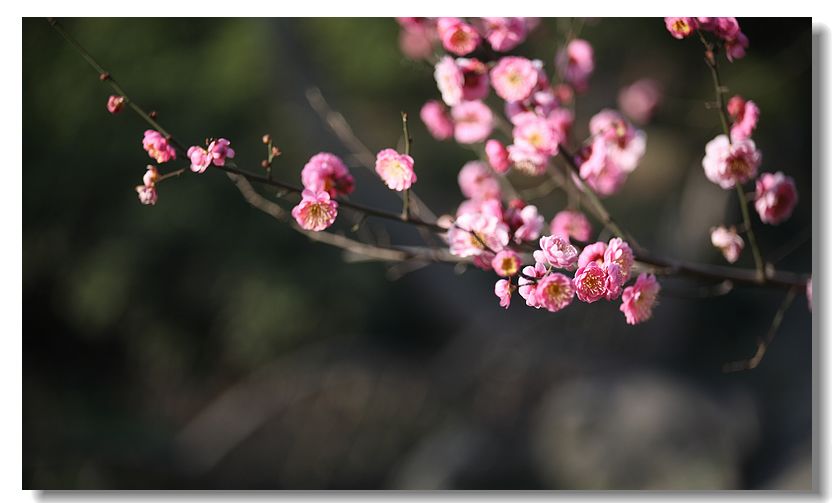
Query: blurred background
{"x": 200, "y": 344}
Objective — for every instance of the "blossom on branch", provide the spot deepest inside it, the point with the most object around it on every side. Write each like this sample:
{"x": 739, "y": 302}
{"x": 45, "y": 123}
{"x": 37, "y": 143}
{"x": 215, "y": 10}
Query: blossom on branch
{"x": 395, "y": 169}
{"x": 316, "y": 210}
{"x": 775, "y": 198}
{"x": 728, "y": 164}
{"x": 638, "y": 300}
{"x": 327, "y": 172}
{"x": 158, "y": 147}
{"x": 728, "y": 241}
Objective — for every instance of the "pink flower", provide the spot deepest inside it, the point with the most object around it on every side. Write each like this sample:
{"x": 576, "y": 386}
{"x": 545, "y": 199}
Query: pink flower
{"x": 528, "y": 287}
{"x": 536, "y": 133}
{"x": 620, "y": 253}
{"x": 557, "y": 252}
{"x": 476, "y": 233}
{"x": 475, "y": 79}
{"x": 437, "y": 120}
{"x": 735, "y": 47}
{"x": 614, "y": 283}
{"x": 506, "y": 263}
{"x": 592, "y": 253}
{"x": 449, "y": 80}
{"x": 638, "y": 300}
{"x": 395, "y": 169}
{"x": 728, "y": 164}
{"x": 502, "y": 289}
{"x": 497, "y": 156}
{"x": 640, "y": 100}
{"x": 598, "y": 169}
{"x": 476, "y": 181}
{"x": 726, "y": 27}
{"x": 150, "y": 176}
{"x": 416, "y": 37}
{"x": 728, "y": 241}
{"x": 200, "y": 159}
{"x": 576, "y": 63}
{"x": 527, "y": 160}
{"x": 680, "y": 27}
{"x": 625, "y": 145}
{"x": 572, "y": 224}
{"x": 489, "y": 207}
{"x": 776, "y": 197}
{"x": 745, "y": 115}
{"x": 473, "y": 121}
{"x": 554, "y": 292}
{"x": 590, "y": 282}
{"x": 514, "y": 78}
{"x": 147, "y": 195}
{"x": 457, "y": 36}
{"x": 158, "y": 147}
{"x": 504, "y": 33}
{"x": 316, "y": 210}
{"x": 219, "y": 150}
{"x": 531, "y": 224}
{"x": 327, "y": 172}
{"x": 115, "y": 104}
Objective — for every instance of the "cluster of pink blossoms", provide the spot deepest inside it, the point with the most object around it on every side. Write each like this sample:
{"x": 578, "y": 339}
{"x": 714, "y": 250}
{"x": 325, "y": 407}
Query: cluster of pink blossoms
{"x": 726, "y": 29}
{"x": 420, "y": 36}
{"x": 216, "y": 153}
{"x": 147, "y": 191}
{"x": 612, "y": 152}
{"x": 324, "y": 177}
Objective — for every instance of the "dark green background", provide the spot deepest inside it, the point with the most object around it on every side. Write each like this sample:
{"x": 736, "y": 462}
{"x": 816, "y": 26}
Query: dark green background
{"x": 201, "y": 344}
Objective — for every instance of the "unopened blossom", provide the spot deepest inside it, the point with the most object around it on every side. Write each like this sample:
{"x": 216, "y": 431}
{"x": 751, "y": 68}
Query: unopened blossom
{"x": 640, "y": 100}
{"x": 158, "y": 147}
{"x": 115, "y": 104}
{"x": 473, "y": 121}
{"x": 504, "y": 33}
{"x": 476, "y": 233}
{"x": 502, "y": 289}
{"x": 449, "y": 80}
{"x": 728, "y": 164}
{"x": 528, "y": 283}
{"x": 728, "y": 242}
{"x": 151, "y": 176}
{"x": 475, "y": 84}
{"x": 147, "y": 195}
{"x": 554, "y": 292}
{"x": 638, "y": 300}
{"x": 514, "y": 78}
{"x": 571, "y": 224}
{"x": 327, "y": 172}
{"x": 457, "y": 36}
{"x": 497, "y": 156}
{"x": 536, "y": 133}
{"x": 476, "y": 181}
{"x": 680, "y": 27}
{"x": 531, "y": 224}
{"x": 437, "y": 120}
{"x": 200, "y": 159}
{"x": 592, "y": 253}
{"x": 506, "y": 263}
{"x": 395, "y": 169}
{"x": 744, "y": 116}
{"x": 625, "y": 145}
{"x": 556, "y": 252}
{"x": 775, "y": 198}
{"x": 220, "y": 150}
{"x": 598, "y": 170}
{"x": 576, "y": 63}
{"x": 590, "y": 282}
{"x": 316, "y": 210}
{"x": 619, "y": 252}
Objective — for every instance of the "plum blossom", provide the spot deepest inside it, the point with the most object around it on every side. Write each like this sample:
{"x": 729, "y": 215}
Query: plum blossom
{"x": 395, "y": 169}
{"x": 158, "y": 147}
{"x": 728, "y": 241}
{"x": 327, "y": 172}
{"x": 571, "y": 224}
{"x": 115, "y": 104}
{"x": 728, "y": 164}
{"x": 151, "y": 176}
{"x": 477, "y": 182}
{"x": 316, "y": 210}
{"x": 416, "y": 37}
{"x": 744, "y": 115}
{"x": 735, "y": 47}
{"x": 556, "y": 252}
{"x": 536, "y": 133}
{"x": 680, "y": 27}
{"x": 590, "y": 282}
{"x": 576, "y": 63}
{"x": 506, "y": 263}
{"x": 554, "y": 292}
{"x": 531, "y": 224}
{"x": 619, "y": 252}
{"x": 474, "y": 79}
{"x": 528, "y": 284}
{"x": 147, "y": 192}
{"x": 473, "y": 121}
{"x": 437, "y": 120}
{"x": 502, "y": 289}
{"x": 200, "y": 160}
{"x": 457, "y": 36}
{"x": 497, "y": 156}
{"x": 527, "y": 160}
{"x": 638, "y": 300}
{"x": 216, "y": 153}
{"x": 775, "y": 198}
{"x": 514, "y": 78}
{"x": 640, "y": 100}
{"x": 625, "y": 144}
{"x": 504, "y": 33}
{"x": 598, "y": 170}
{"x": 477, "y": 233}
{"x": 614, "y": 282}
{"x": 592, "y": 253}
{"x": 449, "y": 80}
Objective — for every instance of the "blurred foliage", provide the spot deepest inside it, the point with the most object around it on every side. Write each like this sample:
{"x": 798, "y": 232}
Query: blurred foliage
{"x": 200, "y": 344}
